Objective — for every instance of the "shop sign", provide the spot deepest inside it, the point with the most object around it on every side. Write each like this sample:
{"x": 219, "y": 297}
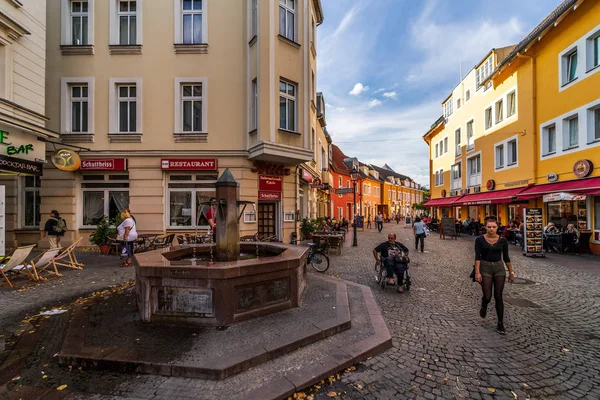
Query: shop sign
{"x": 307, "y": 176}
{"x": 517, "y": 183}
{"x": 265, "y": 168}
{"x": 583, "y": 168}
{"x": 269, "y": 183}
{"x": 552, "y": 177}
{"x": 491, "y": 184}
{"x": 105, "y": 164}
{"x": 269, "y": 195}
{"x": 66, "y": 160}
{"x": 443, "y": 192}
{"x": 11, "y": 149}
{"x": 188, "y": 164}
{"x": 17, "y": 165}
{"x": 317, "y": 184}
{"x": 563, "y": 196}
{"x": 344, "y": 190}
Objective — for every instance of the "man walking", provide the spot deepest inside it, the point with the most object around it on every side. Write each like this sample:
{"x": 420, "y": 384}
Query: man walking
{"x": 54, "y": 228}
{"x": 379, "y": 220}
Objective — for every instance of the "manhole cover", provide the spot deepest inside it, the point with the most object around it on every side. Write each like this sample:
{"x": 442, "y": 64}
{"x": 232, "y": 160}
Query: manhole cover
{"x": 521, "y": 302}
{"x": 523, "y": 281}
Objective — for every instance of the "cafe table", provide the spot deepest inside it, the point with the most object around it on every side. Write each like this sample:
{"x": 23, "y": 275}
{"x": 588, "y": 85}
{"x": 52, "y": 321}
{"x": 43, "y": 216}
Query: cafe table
{"x": 144, "y": 242}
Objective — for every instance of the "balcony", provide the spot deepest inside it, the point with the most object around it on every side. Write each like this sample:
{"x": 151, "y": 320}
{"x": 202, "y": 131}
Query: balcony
{"x": 474, "y": 180}
{"x": 456, "y": 184}
{"x": 279, "y": 153}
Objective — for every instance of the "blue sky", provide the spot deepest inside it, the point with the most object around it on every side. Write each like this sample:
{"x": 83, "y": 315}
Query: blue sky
{"x": 384, "y": 67}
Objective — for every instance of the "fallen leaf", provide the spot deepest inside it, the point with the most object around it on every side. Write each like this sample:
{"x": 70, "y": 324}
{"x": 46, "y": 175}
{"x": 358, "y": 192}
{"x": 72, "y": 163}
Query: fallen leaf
{"x": 359, "y": 387}
{"x": 61, "y": 387}
{"x": 514, "y": 395}
{"x": 299, "y": 395}
{"x": 525, "y": 385}
{"x": 331, "y": 394}
{"x": 352, "y": 368}
{"x": 492, "y": 390}
{"x": 44, "y": 377}
{"x": 565, "y": 350}
{"x": 16, "y": 378}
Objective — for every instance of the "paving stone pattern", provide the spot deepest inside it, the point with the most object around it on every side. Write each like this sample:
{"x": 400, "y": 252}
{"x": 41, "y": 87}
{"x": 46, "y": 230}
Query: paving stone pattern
{"x": 443, "y": 349}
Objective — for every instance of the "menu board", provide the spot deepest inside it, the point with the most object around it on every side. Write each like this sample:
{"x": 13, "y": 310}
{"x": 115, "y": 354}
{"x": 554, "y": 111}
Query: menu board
{"x": 359, "y": 221}
{"x": 448, "y": 228}
{"x": 532, "y": 232}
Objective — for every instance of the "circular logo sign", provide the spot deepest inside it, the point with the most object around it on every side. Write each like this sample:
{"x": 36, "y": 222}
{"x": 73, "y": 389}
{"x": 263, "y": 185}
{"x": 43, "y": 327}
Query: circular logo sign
{"x": 66, "y": 160}
{"x": 552, "y": 177}
{"x": 443, "y": 192}
{"x": 491, "y": 184}
{"x": 583, "y": 168}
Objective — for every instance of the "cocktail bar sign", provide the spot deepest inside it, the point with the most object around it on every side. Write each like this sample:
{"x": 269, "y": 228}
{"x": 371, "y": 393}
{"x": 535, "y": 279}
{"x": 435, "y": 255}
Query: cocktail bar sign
{"x": 13, "y": 150}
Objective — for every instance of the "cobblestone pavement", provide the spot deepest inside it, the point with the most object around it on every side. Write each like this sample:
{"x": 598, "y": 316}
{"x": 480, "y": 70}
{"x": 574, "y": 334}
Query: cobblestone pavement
{"x": 443, "y": 349}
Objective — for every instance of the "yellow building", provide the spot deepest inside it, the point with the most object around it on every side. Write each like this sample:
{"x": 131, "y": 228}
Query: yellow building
{"x": 399, "y": 192}
{"x": 522, "y": 128}
{"x": 164, "y": 95}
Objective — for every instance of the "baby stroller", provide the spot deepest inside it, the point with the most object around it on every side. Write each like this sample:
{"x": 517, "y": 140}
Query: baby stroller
{"x": 381, "y": 275}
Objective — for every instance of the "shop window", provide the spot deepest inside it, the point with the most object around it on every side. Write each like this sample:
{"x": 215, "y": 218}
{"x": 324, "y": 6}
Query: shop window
{"x": 597, "y": 213}
{"x": 187, "y": 196}
{"x": 31, "y": 209}
{"x": 567, "y": 212}
{"x": 103, "y": 195}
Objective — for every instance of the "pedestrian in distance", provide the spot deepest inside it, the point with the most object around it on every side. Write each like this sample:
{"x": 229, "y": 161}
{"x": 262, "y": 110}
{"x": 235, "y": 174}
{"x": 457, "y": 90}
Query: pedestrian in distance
{"x": 379, "y": 220}
{"x": 419, "y": 231}
{"x": 491, "y": 254}
{"x": 55, "y": 229}
{"x": 127, "y": 234}
{"x": 369, "y": 226}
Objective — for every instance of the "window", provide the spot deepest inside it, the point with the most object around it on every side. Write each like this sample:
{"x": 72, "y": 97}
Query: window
{"x": 79, "y": 23}
{"x": 312, "y": 87}
{"x": 458, "y": 104}
{"x": 511, "y": 149}
{"x": 287, "y": 106}
{"x": 445, "y": 145}
{"x": 474, "y": 171}
{"x": 439, "y": 177}
{"x": 511, "y": 104}
{"x": 127, "y": 22}
{"x": 340, "y": 182}
{"x": 126, "y": 105}
{"x": 468, "y": 96}
{"x": 572, "y": 132}
{"x": 500, "y": 156}
{"x": 103, "y": 195}
{"x": 191, "y": 104}
{"x": 549, "y": 138}
{"x": 287, "y": 19}
{"x": 192, "y": 21}
{"x": 187, "y": 195}
{"x": 448, "y": 108}
{"x": 77, "y": 105}
{"x": 249, "y": 217}
{"x": 499, "y": 114}
{"x": 31, "y": 209}
{"x": 484, "y": 71}
{"x": 595, "y": 51}
{"x": 254, "y": 18}
{"x": 457, "y": 143}
{"x": 569, "y": 62}
{"x": 437, "y": 150}
{"x": 324, "y": 160}
{"x": 254, "y": 124}
{"x": 456, "y": 173}
{"x": 595, "y": 125}
{"x": 470, "y": 136}
{"x": 488, "y": 118}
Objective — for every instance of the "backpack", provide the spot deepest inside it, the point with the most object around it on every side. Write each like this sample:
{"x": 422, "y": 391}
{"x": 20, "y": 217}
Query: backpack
{"x": 61, "y": 225}
{"x": 395, "y": 253}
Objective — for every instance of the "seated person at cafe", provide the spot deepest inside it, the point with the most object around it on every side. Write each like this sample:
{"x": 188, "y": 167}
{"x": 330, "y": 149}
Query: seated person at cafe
{"x": 324, "y": 227}
{"x": 336, "y": 227}
{"x": 344, "y": 223}
{"x": 571, "y": 238}
{"x": 549, "y": 229}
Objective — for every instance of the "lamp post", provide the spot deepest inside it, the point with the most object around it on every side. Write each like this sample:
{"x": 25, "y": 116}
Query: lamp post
{"x": 355, "y": 175}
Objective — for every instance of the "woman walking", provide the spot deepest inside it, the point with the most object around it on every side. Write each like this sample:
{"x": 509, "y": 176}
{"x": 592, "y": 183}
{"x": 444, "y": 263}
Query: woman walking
{"x": 419, "y": 231}
{"x": 128, "y": 234}
{"x": 491, "y": 253}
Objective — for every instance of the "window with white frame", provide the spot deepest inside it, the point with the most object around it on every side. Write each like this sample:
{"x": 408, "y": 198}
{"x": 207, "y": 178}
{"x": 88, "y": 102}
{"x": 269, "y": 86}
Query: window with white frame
{"x": 79, "y": 23}
{"x": 103, "y": 195}
{"x": 467, "y": 95}
{"x": 254, "y": 18}
{"x": 191, "y": 23}
{"x": 188, "y": 196}
{"x": 474, "y": 170}
{"x": 500, "y": 156}
{"x": 127, "y": 15}
{"x": 593, "y": 54}
{"x": 366, "y": 189}
{"x": 488, "y": 118}
{"x": 484, "y": 71}
{"x": 254, "y": 122}
{"x": 439, "y": 177}
{"x": 287, "y": 19}
{"x": 569, "y": 66}
{"x": 340, "y": 212}
{"x": 324, "y": 160}
{"x": 77, "y": 105}
{"x": 312, "y": 87}
{"x": 458, "y": 104}
{"x": 594, "y": 124}
{"x": 126, "y": 108}
{"x": 445, "y": 145}
{"x": 506, "y": 153}
{"x": 571, "y": 132}
{"x": 287, "y": 106}
{"x": 511, "y": 104}
{"x": 470, "y": 136}
{"x": 437, "y": 150}
{"x": 376, "y": 191}
{"x": 191, "y": 106}
{"x": 456, "y": 176}
{"x": 340, "y": 182}
{"x": 512, "y": 155}
{"x": 499, "y": 111}
{"x": 125, "y": 103}
{"x": 448, "y": 108}
{"x": 549, "y": 139}
{"x": 457, "y": 143}
{"x": 249, "y": 217}
{"x": 31, "y": 199}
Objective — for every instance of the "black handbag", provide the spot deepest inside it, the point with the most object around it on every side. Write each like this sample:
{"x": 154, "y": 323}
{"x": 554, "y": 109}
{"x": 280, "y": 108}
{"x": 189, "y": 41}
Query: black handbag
{"x": 472, "y": 276}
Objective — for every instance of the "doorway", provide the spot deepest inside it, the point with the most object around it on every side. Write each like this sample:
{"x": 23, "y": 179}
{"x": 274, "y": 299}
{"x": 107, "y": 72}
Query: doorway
{"x": 267, "y": 219}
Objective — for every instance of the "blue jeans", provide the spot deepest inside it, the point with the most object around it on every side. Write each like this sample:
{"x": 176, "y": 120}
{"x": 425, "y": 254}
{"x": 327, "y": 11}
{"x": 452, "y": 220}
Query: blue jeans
{"x": 391, "y": 266}
{"x": 379, "y": 225}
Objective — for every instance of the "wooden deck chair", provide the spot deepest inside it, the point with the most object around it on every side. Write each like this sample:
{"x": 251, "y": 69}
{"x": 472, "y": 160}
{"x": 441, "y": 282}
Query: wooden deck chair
{"x": 66, "y": 258}
{"x": 43, "y": 263}
{"x": 17, "y": 267}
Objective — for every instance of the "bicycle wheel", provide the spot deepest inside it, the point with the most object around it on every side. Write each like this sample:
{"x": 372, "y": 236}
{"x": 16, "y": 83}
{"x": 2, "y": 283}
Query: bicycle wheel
{"x": 319, "y": 261}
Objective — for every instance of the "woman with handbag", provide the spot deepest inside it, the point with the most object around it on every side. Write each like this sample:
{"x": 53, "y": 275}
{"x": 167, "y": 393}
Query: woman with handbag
{"x": 491, "y": 254}
{"x": 127, "y": 234}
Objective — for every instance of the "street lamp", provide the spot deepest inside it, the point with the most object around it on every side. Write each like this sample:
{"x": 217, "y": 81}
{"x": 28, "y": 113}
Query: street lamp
{"x": 355, "y": 175}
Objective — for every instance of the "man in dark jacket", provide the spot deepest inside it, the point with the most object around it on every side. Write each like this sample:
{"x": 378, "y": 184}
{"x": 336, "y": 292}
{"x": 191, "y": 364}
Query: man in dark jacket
{"x": 54, "y": 228}
{"x": 390, "y": 264}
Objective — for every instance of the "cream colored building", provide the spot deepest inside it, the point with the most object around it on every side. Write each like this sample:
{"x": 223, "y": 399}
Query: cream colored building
{"x": 163, "y": 95}
{"x": 23, "y": 134}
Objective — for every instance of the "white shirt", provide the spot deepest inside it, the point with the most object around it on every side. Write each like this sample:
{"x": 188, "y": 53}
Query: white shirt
{"x": 129, "y": 222}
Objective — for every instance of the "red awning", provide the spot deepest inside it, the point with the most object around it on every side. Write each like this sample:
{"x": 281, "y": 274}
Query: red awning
{"x": 580, "y": 185}
{"x": 442, "y": 202}
{"x": 491, "y": 197}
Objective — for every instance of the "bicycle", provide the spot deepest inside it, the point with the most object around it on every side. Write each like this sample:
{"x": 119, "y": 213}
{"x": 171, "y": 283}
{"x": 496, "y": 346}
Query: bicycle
{"x": 317, "y": 258}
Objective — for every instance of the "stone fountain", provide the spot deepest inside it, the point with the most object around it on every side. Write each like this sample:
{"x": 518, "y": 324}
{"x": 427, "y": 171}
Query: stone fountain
{"x": 217, "y": 284}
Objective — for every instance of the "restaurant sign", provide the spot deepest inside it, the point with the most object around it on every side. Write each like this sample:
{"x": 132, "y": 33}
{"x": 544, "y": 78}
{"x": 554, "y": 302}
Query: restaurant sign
{"x": 583, "y": 168}
{"x": 563, "y": 196}
{"x": 105, "y": 164}
{"x": 66, "y": 160}
{"x": 317, "y": 184}
{"x": 266, "y": 168}
{"x": 188, "y": 164}
{"x": 272, "y": 196}
{"x": 269, "y": 183}
{"x": 307, "y": 176}
{"x": 17, "y": 165}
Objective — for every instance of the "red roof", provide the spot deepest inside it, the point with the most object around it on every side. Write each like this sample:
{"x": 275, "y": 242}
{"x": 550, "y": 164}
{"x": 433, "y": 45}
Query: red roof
{"x": 491, "y": 197}
{"x": 337, "y": 161}
{"x": 589, "y": 186}
{"x": 442, "y": 202}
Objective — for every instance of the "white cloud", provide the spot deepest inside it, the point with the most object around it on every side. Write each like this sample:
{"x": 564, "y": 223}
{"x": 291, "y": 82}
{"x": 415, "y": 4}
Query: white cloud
{"x": 358, "y": 89}
{"x": 373, "y": 103}
{"x": 379, "y": 91}
{"x": 390, "y": 95}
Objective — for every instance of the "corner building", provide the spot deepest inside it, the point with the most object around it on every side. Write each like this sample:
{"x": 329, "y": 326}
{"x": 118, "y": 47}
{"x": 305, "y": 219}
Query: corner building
{"x": 159, "y": 97}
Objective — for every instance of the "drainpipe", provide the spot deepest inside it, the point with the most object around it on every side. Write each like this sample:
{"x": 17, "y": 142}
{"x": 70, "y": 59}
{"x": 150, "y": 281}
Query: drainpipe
{"x": 296, "y": 206}
{"x": 534, "y": 110}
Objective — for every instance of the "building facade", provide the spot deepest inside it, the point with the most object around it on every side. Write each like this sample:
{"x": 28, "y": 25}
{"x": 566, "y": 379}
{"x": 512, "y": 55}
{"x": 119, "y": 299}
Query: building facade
{"x": 23, "y": 133}
{"x": 159, "y": 97}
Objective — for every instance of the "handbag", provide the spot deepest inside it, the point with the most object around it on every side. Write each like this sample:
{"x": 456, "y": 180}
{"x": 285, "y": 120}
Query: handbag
{"x": 472, "y": 276}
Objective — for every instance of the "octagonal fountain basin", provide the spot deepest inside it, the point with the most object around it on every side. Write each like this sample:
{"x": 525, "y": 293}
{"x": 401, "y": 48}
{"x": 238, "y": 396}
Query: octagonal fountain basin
{"x": 182, "y": 285}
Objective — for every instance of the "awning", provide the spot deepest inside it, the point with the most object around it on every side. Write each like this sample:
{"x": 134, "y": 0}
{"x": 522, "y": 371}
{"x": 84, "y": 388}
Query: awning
{"x": 442, "y": 202}
{"x": 491, "y": 197}
{"x": 579, "y": 185}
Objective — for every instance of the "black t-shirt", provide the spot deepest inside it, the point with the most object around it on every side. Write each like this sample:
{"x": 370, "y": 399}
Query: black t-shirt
{"x": 49, "y": 227}
{"x": 384, "y": 248}
{"x": 487, "y": 252}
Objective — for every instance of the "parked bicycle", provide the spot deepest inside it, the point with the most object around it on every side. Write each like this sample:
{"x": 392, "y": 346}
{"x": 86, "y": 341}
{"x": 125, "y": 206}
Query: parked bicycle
{"x": 317, "y": 258}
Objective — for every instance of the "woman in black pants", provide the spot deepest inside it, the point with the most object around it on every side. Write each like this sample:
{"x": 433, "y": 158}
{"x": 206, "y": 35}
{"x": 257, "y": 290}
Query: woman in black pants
{"x": 491, "y": 253}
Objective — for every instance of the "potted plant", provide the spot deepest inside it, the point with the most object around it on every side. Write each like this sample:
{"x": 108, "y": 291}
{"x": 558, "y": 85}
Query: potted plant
{"x": 103, "y": 235}
{"x": 307, "y": 228}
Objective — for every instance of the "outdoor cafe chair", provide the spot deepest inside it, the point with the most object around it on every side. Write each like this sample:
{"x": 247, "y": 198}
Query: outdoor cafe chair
{"x": 67, "y": 258}
{"x": 162, "y": 241}
{"x": 43, "y": 261}
{"x": 16, "y": 267}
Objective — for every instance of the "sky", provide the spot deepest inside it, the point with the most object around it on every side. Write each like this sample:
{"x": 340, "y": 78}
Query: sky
{"x": 385, "y": 66}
